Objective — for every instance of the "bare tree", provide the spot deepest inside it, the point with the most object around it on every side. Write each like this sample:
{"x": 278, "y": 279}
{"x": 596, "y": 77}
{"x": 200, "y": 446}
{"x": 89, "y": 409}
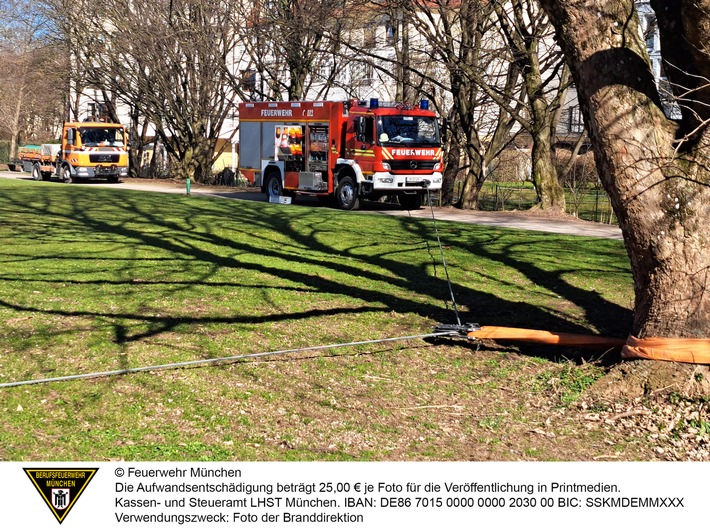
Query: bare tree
{"x": 487, "y": 54}
{"x": 166, "y": 61}
{"x": 527, "y": 32}
{"x": 452, "y": 53}
{"x": 379, "y": 43}
{"x": 655, "y": 168}
{"x": 289, "y": 44}
{"x": 29, "y": 106}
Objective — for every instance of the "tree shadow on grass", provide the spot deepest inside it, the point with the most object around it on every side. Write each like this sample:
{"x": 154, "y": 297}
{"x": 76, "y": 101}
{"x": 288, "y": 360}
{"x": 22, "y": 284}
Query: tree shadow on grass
{"x": 360, "y": 256}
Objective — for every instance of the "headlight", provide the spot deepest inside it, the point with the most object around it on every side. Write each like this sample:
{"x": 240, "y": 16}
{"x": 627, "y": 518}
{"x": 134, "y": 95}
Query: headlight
{"x": 438, "y": 166}
{"x": 386, "y": 166}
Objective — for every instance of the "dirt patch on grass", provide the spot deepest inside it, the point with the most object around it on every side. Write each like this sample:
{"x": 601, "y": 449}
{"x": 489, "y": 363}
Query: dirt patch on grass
{"x": 640, "y": 378}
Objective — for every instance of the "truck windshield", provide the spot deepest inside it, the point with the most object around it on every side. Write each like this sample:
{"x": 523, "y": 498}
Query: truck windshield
{"x": 411, "y": 130}
{"x": 101, "y": 136}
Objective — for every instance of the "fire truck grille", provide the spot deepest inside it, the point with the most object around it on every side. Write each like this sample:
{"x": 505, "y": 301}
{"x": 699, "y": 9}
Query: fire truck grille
{"x": 104, "y": 157}
{"x": 411, "y": 164}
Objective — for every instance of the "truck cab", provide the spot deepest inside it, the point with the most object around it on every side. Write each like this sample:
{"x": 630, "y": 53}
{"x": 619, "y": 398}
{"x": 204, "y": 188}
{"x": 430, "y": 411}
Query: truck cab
{"x": 398, "y": 149}
{"x": 93, "y": 150}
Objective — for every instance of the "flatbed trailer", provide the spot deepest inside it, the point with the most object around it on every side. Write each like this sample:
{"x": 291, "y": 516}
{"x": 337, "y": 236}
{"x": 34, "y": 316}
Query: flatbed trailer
{"x": 26, "y": 157}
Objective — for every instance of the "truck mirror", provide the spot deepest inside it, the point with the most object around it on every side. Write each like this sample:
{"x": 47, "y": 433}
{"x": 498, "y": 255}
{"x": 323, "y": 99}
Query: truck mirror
{"x": 70, "y": 136}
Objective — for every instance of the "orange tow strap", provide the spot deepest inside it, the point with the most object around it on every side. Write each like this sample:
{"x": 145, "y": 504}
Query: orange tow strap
{"x": 690, "y": 350}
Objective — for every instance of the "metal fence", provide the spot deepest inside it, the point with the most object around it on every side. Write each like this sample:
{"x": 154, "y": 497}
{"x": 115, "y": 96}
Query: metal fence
{"x": 590, "y": 204}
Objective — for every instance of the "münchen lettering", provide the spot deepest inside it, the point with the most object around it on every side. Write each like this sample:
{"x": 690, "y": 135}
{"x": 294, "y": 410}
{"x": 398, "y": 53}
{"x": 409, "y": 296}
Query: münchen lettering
{"x": 296, "y": 502}
{"x": 205, "y": 472}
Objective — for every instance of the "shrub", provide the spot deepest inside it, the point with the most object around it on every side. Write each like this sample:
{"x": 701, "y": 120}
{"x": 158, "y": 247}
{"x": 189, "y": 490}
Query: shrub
{"x": 511, "y": 166}
{"x": 583, "y": 171}
{"x": 4, "y": 151}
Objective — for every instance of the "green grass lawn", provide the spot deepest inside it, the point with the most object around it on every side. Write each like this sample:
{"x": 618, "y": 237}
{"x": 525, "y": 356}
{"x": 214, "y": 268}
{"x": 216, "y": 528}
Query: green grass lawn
{"x": 96, "y": 279}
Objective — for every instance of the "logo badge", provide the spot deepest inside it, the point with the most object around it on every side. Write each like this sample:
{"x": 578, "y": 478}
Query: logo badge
{"x": 413, "y": 164}
{"x": 60, "y": 488}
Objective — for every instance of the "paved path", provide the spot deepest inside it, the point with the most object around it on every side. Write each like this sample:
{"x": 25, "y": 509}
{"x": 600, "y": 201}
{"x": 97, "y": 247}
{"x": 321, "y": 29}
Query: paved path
{"x": 527, "y": 221}
{"x": 513, "y": 220}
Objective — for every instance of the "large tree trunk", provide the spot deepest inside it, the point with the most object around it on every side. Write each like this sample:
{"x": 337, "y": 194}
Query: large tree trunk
{"x": 297, "y": 83}
{"x": 658, "y": 182}
{"x": 525, "y": 36}
{"x": 551, "y": 195}
{"x": 451, "y": 170}
{"x": 473, "y": 182}
{"x": 15, "y": 127}
{"x": 139, "y": 134}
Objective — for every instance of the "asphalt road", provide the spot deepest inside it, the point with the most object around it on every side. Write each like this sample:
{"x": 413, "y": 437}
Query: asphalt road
{"x": 514, "y": 220}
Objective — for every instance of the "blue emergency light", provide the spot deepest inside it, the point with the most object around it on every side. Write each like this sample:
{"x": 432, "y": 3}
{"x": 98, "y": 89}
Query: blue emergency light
{"x": 424, "y": 104}
{"x": 374, "y": 103}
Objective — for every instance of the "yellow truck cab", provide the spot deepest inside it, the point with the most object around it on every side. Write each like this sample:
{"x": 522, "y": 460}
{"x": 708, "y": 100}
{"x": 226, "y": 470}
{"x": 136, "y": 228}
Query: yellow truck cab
{"x": 92, "y": 150}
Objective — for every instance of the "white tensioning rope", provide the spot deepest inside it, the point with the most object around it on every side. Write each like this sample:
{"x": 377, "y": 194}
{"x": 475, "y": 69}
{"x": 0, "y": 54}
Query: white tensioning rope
{"x": 214, "y": 361}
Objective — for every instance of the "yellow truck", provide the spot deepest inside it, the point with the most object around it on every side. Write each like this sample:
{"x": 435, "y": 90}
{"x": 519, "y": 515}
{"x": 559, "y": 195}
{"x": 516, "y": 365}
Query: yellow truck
{"x": 88, "y": 150}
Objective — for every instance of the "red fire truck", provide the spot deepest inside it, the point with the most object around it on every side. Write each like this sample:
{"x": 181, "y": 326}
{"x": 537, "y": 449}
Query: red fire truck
{"x": 350, "y": 150}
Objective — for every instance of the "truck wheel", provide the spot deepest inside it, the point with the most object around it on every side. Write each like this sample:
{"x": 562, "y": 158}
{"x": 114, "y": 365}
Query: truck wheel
{"x": 346, "y": 194}
{"x": 410, "y": 202}
{"x": 36, "y": 172}
{"x": 273, "y": 185}
{"x": 66, "y": 175}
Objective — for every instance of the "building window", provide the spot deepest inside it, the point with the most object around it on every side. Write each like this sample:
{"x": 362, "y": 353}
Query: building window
{"x": 96, "y": 112}
{"x": 361, "y": 73}
{"x": 670, "y": 104}
{"x": 322, "y": 72}
{"x": 575, "y": 122}
{"x": 391, "y": 32}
